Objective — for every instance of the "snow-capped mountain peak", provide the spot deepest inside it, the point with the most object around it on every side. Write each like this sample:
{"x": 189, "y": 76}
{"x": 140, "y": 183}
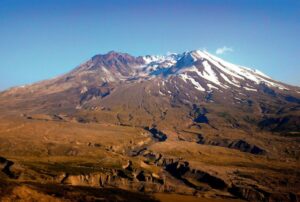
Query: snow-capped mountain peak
{"x": 198, "y": 69}
{"x": 213, "y": 69}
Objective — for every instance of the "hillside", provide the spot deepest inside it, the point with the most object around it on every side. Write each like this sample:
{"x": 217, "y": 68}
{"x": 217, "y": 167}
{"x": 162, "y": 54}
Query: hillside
{"x": 188, "y": 123}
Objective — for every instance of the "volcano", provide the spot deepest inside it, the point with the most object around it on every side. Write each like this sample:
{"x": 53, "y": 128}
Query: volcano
{"x": 188, "y": 123}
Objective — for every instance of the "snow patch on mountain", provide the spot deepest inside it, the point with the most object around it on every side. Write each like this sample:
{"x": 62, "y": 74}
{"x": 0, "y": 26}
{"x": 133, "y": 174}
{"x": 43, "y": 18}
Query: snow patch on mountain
{"x": 215, "y": 69}
{"x": 228, "y": 81}
{"x": 200, "y": 66}
{"x": 247, "y": 73}
{"x": 209, "y": 74}
{"x": 210, "y": 86}
{"x": 216, "y": 72}
{"x": 197, "y": 85}
{"x": 160, "y": 60}
{"x": 249, "y": 89}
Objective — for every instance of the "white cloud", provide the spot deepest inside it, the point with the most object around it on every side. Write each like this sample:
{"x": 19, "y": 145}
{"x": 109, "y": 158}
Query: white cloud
{"x": 170, "y": 53}
{"x": 223, "y": 50}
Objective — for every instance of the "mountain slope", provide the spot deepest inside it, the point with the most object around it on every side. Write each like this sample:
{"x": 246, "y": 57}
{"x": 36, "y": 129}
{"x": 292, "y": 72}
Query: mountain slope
{"x": 207, "y": 126}
{"x": 117, "y": 80}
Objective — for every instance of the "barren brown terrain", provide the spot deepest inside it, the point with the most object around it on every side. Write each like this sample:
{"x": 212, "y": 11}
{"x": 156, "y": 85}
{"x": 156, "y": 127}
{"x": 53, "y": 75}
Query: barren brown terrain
{"x": 115, "y": 134}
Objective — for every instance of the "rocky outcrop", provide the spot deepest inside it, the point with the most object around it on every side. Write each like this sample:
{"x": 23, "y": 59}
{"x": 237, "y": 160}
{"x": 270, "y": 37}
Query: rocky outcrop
{"x": 5, "y": 167}
{"x": 134, "y": 181}
{"x": 255, "y": 194}
{"x": 267, "y": 90}
{"x": 182, "y": 171}
{"x": 94, "y": 92}
{"x": 188, "y": 175}
{"x": 281, "y": 124}
{"x": 244, "y": 146}
{"x": 292, "y": 99}
{"x": 241, "y": 145}
{"x": 158, "y": 135}
{"x": 199, "y": 114}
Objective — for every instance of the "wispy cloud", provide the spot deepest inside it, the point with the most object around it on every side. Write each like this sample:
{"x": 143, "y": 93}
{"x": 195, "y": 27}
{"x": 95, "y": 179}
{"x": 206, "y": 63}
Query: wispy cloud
{"x": 223, "y": 50}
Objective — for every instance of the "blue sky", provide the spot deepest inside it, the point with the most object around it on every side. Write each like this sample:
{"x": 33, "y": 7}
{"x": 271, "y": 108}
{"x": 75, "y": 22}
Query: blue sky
{"x": 41, "y": 39}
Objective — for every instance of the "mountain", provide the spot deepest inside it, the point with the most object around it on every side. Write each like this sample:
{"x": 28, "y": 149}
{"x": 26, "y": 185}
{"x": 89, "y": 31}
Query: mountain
{"x": 206, "y": 125}
{"x": 188, "y": 80}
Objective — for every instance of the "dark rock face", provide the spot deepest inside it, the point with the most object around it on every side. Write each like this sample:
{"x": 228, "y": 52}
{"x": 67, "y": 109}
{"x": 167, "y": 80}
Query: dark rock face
{"x": 184, "y": 172}
{"x": 160, "y": 136}
{"x": 281, "y": 124}
{"x": 254, "y": 194}
{"x": 178, "y": 169}
{"x": 201, "y": 119}
{"x": 250, "y": 194}
{"x": 213, "y": 181}
{"x": 5, "y": 166}
{"x": 241, "y": 145}
{"x": 267, "y": 90}
{"x": 292, "y": 99}
{"x": 199, "y": 114}
{"x": 246, "y": 147}
{"x": 94, "y": 93}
